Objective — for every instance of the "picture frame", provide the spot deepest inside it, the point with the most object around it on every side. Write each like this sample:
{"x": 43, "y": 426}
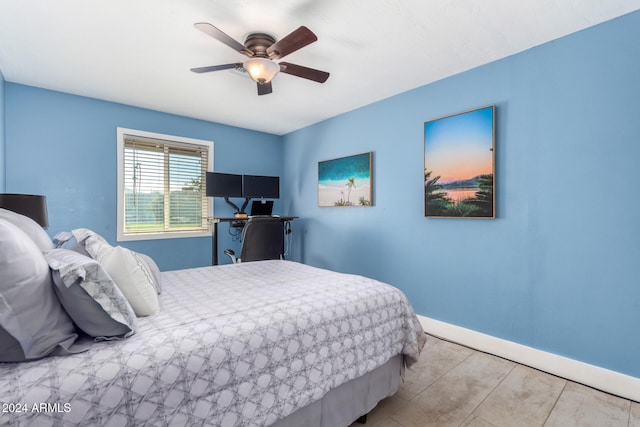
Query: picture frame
{"x": 459, "y": 165}
{"x": 346, "y": 181}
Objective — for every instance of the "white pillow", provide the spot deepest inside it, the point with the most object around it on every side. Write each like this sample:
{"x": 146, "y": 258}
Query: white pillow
{"x": 130, "y": 275}
{"x": 30, "y": 227}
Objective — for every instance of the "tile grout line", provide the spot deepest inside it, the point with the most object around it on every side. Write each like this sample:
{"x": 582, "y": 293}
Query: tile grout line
{"x": 515, "y": 365}
{"x": 553, "y": 408}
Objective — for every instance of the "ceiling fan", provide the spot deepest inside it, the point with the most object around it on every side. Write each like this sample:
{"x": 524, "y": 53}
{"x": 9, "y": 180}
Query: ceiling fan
{"x": 262, "y": 51}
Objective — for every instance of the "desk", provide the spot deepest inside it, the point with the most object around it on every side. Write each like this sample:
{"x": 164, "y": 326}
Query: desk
{"x": 214, "y": 237}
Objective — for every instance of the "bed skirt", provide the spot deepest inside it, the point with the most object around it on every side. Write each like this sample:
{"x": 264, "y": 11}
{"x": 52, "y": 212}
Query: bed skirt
{"x": 349, "y": 401}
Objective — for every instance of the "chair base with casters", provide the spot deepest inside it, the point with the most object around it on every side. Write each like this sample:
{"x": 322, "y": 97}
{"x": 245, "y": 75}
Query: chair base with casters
{"x": 262, "y": 239}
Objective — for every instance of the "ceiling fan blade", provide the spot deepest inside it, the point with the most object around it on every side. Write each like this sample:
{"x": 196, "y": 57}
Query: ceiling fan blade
{"x": 290, "y": 43}
{"x": 219, "y": 35}
{"x": 304, "y": 72}
{"x": 265, "y": 88}
{"x": 216, "y": 67}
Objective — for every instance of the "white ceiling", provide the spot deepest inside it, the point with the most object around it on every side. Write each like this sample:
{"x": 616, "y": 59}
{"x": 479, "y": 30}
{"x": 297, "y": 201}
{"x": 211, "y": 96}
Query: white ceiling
{"x": 139, "y": 52}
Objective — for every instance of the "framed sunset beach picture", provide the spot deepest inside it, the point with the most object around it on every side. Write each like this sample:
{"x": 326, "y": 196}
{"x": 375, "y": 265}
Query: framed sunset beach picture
{"x": 346, "y": 181}
{"x": 459, "y": 165}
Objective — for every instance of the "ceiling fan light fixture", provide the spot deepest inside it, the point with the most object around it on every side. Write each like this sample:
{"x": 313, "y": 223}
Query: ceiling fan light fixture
{"x": 261, "y": 70}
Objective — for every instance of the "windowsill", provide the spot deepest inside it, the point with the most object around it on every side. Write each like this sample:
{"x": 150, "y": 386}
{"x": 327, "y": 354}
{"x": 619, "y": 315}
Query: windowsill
{"x": 165, "y": 235}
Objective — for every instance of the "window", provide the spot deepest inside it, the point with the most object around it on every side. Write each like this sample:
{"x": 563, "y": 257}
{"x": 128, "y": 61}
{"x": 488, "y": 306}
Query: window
{"x": 161, "y": 186}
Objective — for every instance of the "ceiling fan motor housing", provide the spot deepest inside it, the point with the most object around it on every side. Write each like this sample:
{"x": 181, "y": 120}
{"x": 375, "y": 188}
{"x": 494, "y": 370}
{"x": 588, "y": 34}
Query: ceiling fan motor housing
{"x": 258, "y": 43}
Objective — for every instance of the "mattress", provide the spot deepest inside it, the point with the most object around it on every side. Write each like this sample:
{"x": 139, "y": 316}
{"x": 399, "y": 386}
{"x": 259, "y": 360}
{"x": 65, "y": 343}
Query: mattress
{"x": 244, "y": 344}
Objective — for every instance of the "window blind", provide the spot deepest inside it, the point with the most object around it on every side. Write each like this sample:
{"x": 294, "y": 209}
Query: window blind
{"x": 164, "y": 186}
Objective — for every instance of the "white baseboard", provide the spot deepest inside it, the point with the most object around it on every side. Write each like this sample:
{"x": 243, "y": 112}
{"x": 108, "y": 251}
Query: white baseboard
{"x": 606, "y": 380}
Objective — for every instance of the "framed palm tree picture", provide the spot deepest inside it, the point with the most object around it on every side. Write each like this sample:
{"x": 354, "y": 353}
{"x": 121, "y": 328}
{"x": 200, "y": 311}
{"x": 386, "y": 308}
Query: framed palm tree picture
{"x": 459, "y": 165}
{"x": 346, "y": 181}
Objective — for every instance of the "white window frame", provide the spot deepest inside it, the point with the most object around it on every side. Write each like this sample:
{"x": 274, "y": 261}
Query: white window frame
{"x": 121, "y": 236}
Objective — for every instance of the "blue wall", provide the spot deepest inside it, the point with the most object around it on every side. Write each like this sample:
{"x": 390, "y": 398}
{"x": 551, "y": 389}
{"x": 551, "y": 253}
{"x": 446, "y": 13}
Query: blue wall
{"x": 2, "y": 137}
{"x": 64, "y": 146}
{"x": 559, "y": 269}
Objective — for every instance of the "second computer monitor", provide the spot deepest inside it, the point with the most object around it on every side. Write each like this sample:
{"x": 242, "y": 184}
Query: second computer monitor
{"x": 260, "y": 187}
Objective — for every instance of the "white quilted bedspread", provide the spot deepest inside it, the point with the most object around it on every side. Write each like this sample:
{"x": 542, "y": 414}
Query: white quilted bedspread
{"x": 234, "y": 345}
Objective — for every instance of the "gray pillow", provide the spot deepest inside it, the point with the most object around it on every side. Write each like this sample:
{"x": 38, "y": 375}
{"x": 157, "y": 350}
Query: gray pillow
{"x": 89, "y": 295}
{"x": 33, "y": 322}
{"x": 30, "y": 227}
{"x": 152, "y": 267}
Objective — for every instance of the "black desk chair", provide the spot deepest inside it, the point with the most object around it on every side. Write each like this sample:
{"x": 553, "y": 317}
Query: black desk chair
{"x": 262, "y": 239}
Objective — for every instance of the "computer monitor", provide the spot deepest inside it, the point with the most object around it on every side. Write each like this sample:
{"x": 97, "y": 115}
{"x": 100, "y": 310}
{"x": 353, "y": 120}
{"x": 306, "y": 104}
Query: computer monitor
{"x": 256, "y": 186}
{"x": 224, "y": 185}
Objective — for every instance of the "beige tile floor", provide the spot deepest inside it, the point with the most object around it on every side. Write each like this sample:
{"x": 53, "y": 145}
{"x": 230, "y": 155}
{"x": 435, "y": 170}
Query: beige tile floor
{"x": 453, "y": 385}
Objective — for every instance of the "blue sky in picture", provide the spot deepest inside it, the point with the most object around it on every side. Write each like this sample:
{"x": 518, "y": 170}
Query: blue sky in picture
{"x": 460, "y": 147}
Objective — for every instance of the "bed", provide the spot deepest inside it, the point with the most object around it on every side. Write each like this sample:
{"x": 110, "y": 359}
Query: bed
{"x": 252, "y": 344}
